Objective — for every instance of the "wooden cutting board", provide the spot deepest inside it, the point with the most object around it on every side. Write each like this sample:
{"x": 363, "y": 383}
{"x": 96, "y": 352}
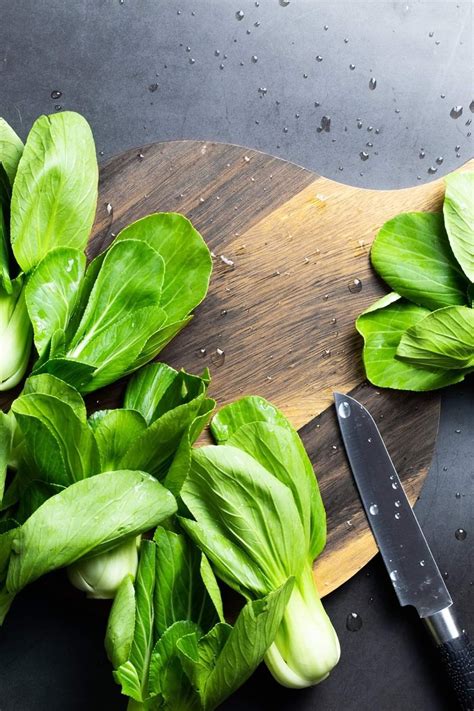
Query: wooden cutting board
{"x": 292, "y": 251}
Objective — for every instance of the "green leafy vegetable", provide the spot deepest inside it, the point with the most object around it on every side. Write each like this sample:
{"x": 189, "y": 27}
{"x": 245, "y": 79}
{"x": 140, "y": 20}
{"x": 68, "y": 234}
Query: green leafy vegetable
{"x": 166, "y": 638}
{"x": 382, "y": 329}
{"x": 11, "y": 148}
{"x": 119, "y": 505}
{"x": 459, "y": 219}
{"x": 444, "y": 338}
{"x": 58, "y": 445}
{"x": 90, "y": 326}
{"x": 55, "y": 190}
{"x": 259, "y": 518}
{"x": 424, "y": 341}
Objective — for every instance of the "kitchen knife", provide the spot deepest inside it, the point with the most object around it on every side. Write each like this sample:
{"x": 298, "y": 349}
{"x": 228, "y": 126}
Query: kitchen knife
{"x": 410, "y": 564}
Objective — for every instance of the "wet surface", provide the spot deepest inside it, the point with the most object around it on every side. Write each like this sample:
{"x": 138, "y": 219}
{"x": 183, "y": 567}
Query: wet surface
{"x": 379, "y": 96}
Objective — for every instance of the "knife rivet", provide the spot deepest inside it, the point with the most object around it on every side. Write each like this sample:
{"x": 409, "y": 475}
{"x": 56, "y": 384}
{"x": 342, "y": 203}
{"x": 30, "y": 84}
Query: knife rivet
{"x": 394, "y": 485}
{"x": 422, "y": 562}
{"x": 397, "y": 503}
{"x": 397, "y": 515}
{"x": 373, "y": 509}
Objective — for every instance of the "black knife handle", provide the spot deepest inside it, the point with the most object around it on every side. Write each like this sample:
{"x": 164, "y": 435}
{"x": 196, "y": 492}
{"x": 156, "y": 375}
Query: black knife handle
{"x": 457, "y": 656}
{"x": 456, "y": 652}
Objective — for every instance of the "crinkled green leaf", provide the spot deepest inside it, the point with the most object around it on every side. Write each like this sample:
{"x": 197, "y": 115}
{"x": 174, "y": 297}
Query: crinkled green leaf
{"x": 72, "y": 435}
{"x": 227, "y": 656}
{"x": 147, "y": 387}
{"x": 119, "y": 505}
{"x": 121, "y": 624}
{"x": 167, "y": 677}
{"x": 7, "y": 427}
{"x": 142, "y": 644}
{"x": 129, "y": 279}
{"x": 247, "y": 521}
{"x": 256, "y": 426}
{"x": 157, "y": 342}
{"x": 52, "y": 291}
{"x": 154, "y": 449}
{"x": 46, "y": 384}
{"x": 412, "y": 254}
{"x": 128, "y": 678}
{"x": 115, "y": 431}
{"x": 187, "y": 260}
{"x": 75, "y": 372}
{"x": 179, "y": 593}
{"x": 11, "y": 149}
{"x": 382, "y": 330}
{"x": 459, "y": 219}
{"x": 5, "y": 195}
{"x": 443, "y": 339}
{"x": 55, "y": 190}
{"x": 212, "y": 587}
{"x": 280, "y": 450}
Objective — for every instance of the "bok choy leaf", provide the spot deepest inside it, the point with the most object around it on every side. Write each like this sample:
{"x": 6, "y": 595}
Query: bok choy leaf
{"x": 424, "y": 341}
{"x": 258, "y": 516}
{"x": 167, "y": 639}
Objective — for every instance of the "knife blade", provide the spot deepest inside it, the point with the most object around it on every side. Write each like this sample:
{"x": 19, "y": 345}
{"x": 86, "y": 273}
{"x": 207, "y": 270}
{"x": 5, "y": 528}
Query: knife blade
{"x": 412, "y": 569}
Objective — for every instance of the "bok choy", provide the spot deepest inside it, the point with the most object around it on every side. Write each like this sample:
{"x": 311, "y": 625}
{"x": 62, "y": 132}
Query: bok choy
{"x": 51, "y": 444}
{"x": 420, "y": 337}
{"x": 90, "y": 325}
{"x": 167, "y": 639}
{"x": 259, "y": 518}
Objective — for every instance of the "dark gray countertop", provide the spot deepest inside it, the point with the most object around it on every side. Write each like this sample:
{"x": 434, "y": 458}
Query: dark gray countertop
{"x": 126, "y": 66}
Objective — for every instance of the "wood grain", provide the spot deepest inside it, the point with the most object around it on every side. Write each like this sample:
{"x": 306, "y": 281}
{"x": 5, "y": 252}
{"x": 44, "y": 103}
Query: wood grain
{"x": 282, "y": 310}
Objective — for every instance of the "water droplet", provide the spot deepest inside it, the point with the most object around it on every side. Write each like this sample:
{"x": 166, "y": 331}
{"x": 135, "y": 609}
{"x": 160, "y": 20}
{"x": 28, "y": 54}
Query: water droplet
{"x": 457, "y": 494}
{"x": 372, "y": 83}
{"x": 422, "y": 563}
{"x": 430, "y": 34}
{"x": 58, "y": 107}
{"x": 364, "y": 155}
{"x": 201, "y": 352}
{"x": 398, "y": 504}
{"x": 355, "y": 286}
{"x": 394, "y": 575}
{"x": 216, "y": 53}
{"x": 369, "y": 128}
{"x": 153, "y": 87}
{"x": 109, "y": 208}
{"x": 256, "y": 24}
{"x": 56, "y": 94}
{"x": 456, "y": 112}
{"x": 445, "y": 575}
{"x": 369, "y": 440}
{"x": 192, "y": 60}
{"x": 359, "y": 123}
{"x": 397, "y": 515}
{"x": 254, "y": 58}
{"x": 394, "y": 485}
{"x": 457, "y": 431}
{"x": 326, "y": 27}
{"x": 460, "y": 534}
{"x": 224, "y": 312}
{"x": 218, "y": 357}
{"x": 445, "y": 469}
{"x": 319, "y": 58}
{"x": 305, "y": 76}
{"x": 349, "y": 523}
{"x": 353, "y": 622}
{"x": 240, "y": 14}
{"x": 421, "y": 154}
{"x": 325, "y": 124}
{"x": 346, "y": 40}
{"x": 326, "y": 353}
{"x": 432, "y": 170}
{"x": 344, "y": 409}
{"x": 262, "y": 90}
{"x": 334, "y": 448}
{"x": 373, "y": 509}
{"x": 352, "y": 67}
{"x": 439, "y": 160}
{"x": 442, "y": 96}
{"x": 284, "y": 3}
{"x": 285, "y": 129}
{"x": 228, "y": 262}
